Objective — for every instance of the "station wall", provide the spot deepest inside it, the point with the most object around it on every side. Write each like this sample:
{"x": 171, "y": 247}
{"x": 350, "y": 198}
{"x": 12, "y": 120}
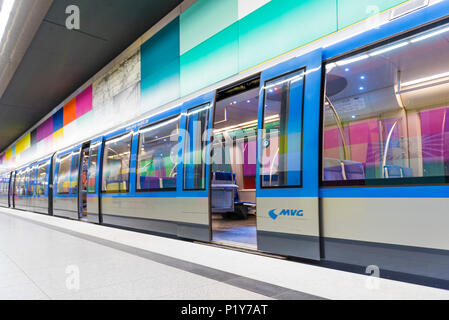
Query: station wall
{"x": 211, "y": 41}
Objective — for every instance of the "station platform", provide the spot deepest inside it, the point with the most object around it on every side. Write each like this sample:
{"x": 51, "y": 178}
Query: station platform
{"x": 43, "y": 257}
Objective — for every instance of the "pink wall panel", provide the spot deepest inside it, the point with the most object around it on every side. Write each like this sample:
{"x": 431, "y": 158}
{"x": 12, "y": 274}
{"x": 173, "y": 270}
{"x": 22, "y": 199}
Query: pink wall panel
{"x": 84, "y": 102}
{"x": 364, "y": 141}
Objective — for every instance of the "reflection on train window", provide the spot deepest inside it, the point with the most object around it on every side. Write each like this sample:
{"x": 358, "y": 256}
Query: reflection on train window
{"x": 20, "y": 183}
{"x": 4, "y": 185}
{"x": 158, "y": 156}
{"x": 74, "y": 172}
{"x": 386, "y": 114}
{"x": 282, "y": 131}
{"x": 63, "y": 180}
{"x": 28, "y": 181}
{"x": 92, "y": 172}
{"x": 116, "y": 163}
{"x": 41, "y": 179}
{"x": 195, "y": 148}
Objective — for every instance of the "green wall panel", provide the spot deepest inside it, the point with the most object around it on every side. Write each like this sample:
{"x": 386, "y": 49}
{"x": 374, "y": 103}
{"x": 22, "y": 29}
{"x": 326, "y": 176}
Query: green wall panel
{"x": 204, "y": 19}
{"x": 160, "y": 67}
{"x": 283, "y": 25}
{"x": 213, "y": 60}
{"x": 350, "y": 11}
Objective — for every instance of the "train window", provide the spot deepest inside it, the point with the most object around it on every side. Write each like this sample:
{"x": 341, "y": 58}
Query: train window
{"x": 92, "y": 171}
{"x": 31, "y": 180}
{"x": 74, "y": 172}
{"x": 158, "y": 156}
{"x": 63, "y": 182}
{"x": 20, "y": 183}
{"x": 41, "y": 179}
{"x": 386, "y": 114}
{"x": 28, "y": 182}
{"x": 282, "y": 131}
{"x": 195, "y": 148}
{"x": 116, "y": 163}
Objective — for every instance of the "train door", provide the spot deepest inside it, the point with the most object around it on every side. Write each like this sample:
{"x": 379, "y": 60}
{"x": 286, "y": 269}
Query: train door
{"x": 194, "y": 197}
{"x": 233, "y": 165}
{"x": 12, "y": 189}
{"x": 93, "y": 181}
{"x": 82, "y": 189}
{"x": 288, "y": 153}
{"x": 32, "y": 201}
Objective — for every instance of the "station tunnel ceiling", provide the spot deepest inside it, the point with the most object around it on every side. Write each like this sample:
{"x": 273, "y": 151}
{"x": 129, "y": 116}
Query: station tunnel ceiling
{"x": 59, "y": 61}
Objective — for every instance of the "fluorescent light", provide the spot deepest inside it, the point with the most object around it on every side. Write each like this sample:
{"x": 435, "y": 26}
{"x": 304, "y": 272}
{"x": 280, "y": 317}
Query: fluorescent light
{"x": 5, "y": 12}
{"x": 388, "y": 49}
{"x": 430, "y": 35}
{"x": 352, "y": 60}
{"x": 426, "y": 79}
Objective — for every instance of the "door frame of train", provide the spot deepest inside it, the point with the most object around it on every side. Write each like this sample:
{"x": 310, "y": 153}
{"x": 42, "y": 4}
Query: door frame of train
{"x": 95, "y": 217}
{"x": 186, "y": 231}
{"x": 84, "y": 146}
{"x": 288, "y": 218}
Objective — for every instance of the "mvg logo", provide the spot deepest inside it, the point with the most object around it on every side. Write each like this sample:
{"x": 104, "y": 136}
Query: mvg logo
{"x": 286, "y": 212}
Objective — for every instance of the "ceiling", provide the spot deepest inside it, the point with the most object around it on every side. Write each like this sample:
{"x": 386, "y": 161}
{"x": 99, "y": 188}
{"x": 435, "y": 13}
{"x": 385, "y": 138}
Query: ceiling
{"x": 59, "y": 61}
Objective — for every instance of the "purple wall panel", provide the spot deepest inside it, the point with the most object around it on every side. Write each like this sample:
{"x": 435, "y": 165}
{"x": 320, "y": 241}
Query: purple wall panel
{"x": 45, "y": 129}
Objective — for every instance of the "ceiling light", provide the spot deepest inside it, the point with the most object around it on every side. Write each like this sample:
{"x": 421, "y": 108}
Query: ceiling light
{"x": 388, "y": 49}
{"x": 426, "y": 79}
{"x": 430, "y": 35}
{"x": 352, "y": 60}
{"x": 5, "y": 12}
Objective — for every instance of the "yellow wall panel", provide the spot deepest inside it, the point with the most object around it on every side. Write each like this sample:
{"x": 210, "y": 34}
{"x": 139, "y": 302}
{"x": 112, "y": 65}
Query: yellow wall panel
{"x": 23, "y": 144}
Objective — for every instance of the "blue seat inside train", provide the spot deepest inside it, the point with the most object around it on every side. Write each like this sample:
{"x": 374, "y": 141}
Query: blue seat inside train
{"x": 337, "y": 170}
{"x": 274, "y": 179}
{"x": 354, "y": 170}
{"x": 223, "y": 177}
{"x": 393, "y": 171}
{"x": 154, "y": 183}
{"x": 333, "y": 170}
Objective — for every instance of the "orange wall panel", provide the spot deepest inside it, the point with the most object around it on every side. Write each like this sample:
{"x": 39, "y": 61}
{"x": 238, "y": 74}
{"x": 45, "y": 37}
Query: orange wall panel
{"x": 70, "y": 112}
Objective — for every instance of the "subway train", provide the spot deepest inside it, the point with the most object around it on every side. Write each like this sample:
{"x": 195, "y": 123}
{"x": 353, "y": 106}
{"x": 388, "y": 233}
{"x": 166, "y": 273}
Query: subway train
{"x": 338, "y": 156}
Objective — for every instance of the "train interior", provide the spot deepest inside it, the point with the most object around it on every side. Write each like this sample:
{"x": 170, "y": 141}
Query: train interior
{"x": 386, "y": 114}
{"x": 233, "y": 179}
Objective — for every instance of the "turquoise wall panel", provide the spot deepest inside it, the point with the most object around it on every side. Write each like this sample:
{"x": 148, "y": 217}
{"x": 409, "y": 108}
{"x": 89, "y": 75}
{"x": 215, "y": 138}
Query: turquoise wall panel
{"x": 350, "y": 11}
{"x": 213, "y": 60}
{"x": 283, "y": 25}
{"x": 204, "y": 19}
{"x": 161, "y": 86}
{"x": 160, "y": 67}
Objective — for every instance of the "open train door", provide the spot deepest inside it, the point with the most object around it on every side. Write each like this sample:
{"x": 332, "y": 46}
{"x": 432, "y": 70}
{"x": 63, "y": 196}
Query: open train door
{"x": 93, "y": 185}
{"x": 193, "y": 194}
{"x": 288, "y": 151}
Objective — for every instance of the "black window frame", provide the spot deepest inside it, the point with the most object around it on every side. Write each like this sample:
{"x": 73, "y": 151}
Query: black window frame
{"x": 67, "y": 155}
{"x": 206, "y": 173}
{"x": 138, "y": 153}
{"x": 379, "y": 182}
{"x": 301, "y": 185}
{"x": 97, "y": 174}
{"x": 128, "y": 185}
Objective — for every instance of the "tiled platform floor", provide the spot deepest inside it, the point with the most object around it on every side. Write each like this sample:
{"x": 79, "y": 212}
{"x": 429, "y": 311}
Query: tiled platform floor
{"x": 43, "y": 257}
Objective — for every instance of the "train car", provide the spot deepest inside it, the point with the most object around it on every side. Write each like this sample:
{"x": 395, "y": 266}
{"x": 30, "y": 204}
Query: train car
{"x": 66, "y": 177}
{"x": 41, "y": 193}
{"x": 339, "y": 155}
{"x": 4, "y": 189}
{"x": 23, "y": 188}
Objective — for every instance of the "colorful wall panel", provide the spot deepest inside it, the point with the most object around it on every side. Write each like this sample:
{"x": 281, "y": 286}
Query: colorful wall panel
{"x": 209, "y": 42}
{"x": 160, "y": 64}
